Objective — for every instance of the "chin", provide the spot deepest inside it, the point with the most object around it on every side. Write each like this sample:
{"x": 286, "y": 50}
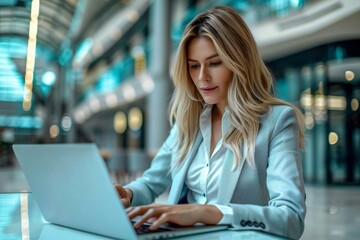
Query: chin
{"x": 207, "y": 101}
{"x": 210, "y": 100}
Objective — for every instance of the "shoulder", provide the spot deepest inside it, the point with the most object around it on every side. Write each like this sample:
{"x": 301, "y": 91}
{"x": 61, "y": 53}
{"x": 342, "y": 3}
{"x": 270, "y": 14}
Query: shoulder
{"x": 278, "y": 117}
{"x": 277, "y": 112}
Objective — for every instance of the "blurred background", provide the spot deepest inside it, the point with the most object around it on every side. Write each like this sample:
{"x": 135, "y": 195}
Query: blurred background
{"x": 99, "y": 71}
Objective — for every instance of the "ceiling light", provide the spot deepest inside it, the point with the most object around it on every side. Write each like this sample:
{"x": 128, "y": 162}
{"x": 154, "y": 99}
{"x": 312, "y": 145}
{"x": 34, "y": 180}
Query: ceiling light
{"x": 49, "y": 78}
{"x": 333, "y": 138}
{"x": 354, "y": 104}
{"x": 349, "y": 75}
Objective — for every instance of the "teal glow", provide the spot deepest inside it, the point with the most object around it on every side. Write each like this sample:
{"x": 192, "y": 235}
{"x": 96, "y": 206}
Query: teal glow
{"x": 49, "y": 78}
{"x": 21, "y": 122}
{"x": 108, "y": 81}
{"x": 284, "y": 7}
{"x": 9, "y": 204}
{"x": 113, "y": 77}
{"x": 296, "y": 3}
{"x": 339, "y": 53}
{"x": 65, "y": 56}
{"x": 83, "y": 49}
{"x": 11, "y": 81}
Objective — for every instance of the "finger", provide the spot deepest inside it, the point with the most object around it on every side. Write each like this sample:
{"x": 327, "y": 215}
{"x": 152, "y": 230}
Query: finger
{"x": 140, "y": 210}
{"x": 129, "y": 209}
{"x": 136, "y": 211}
{"x": 151, "y": 220}
{"x": 181, "y": 218}
{"x": 164, "y": 218}
{"x": 125, "y": 202}
{"x": 121, "y": 191}
{"x": 150, "y": 214}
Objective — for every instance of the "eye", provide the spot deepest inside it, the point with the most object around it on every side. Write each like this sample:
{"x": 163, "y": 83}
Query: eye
{"x": 194, "y": 66}
{"x": 215, "y": 63}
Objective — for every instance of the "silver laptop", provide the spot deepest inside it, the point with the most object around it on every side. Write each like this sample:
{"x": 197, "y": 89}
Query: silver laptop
{"x": 72, "y": 187}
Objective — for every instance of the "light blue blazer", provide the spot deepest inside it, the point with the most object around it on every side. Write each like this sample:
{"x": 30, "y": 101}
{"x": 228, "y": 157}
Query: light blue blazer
{"x": 269, "y": 197}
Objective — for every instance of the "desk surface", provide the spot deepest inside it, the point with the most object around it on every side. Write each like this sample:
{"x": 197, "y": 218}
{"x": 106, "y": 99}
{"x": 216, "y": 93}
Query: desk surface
{"x": 20, "y": 218}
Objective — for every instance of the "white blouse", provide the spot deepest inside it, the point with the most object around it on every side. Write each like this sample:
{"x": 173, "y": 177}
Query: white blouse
{"x": 203, "y": 175}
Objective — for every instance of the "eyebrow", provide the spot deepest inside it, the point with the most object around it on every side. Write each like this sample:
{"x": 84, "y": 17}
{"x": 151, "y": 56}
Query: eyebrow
{"x": 209, "y": 57}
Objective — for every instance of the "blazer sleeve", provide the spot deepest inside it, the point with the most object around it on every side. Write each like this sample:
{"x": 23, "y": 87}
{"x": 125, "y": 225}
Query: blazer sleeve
{"x": 285, "y": 213}
{"x": 157, "y": 178}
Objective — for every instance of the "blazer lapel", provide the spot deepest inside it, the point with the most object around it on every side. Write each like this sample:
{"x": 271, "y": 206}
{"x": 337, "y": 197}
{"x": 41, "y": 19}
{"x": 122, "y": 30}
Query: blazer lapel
{"x": 179, "y": 177}
{"x": 229, "y": 178}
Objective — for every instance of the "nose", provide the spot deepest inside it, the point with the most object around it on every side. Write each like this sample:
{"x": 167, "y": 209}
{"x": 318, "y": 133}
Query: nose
{"x": 203, "y": 74}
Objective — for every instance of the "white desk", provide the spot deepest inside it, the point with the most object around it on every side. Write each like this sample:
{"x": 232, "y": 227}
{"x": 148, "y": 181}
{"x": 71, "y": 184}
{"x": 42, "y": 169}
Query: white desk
{"x": 20, "y": 218}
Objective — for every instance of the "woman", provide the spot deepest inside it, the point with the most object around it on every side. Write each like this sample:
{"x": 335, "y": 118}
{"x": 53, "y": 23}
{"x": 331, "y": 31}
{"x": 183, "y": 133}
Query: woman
{"x": 233, "y": 154}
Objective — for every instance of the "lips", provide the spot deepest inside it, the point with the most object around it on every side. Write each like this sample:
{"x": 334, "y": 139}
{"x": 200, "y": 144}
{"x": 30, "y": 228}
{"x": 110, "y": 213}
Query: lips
{"x": 207, "y": 89}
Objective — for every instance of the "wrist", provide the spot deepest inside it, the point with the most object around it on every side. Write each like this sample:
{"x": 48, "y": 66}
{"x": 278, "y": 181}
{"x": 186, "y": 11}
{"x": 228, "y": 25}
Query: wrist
{"x": 130, "y": 194}
{"x": 210, "y": 214}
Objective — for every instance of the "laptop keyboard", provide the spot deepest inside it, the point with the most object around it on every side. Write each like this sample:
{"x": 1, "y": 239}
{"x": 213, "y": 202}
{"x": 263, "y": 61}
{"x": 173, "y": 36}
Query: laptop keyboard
{"x": 145, "y": 229}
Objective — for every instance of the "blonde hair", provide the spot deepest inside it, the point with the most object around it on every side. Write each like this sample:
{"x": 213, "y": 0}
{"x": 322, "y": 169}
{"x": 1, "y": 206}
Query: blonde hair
{"x": 249, "y": 93}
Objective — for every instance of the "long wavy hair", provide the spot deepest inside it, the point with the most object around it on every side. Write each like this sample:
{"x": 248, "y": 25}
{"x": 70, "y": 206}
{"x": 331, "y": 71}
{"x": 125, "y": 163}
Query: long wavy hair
{"x": 249, "y": 93}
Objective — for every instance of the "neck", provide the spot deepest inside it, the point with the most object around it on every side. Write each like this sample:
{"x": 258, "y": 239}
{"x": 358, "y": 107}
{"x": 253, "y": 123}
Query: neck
{"x": 217, "y": 112}
{"x": 219, "y": 109}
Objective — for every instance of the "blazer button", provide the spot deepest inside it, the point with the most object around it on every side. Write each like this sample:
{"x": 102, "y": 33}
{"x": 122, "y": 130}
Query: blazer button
{"x": 243, "y": 223}
{"x": 256, "y": 224}
{"x": 262, "y": 225}
{"x": 249, "y": 223}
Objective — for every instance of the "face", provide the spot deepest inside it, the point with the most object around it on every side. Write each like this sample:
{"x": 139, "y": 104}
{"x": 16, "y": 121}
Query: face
{"x": 210, "y": 76}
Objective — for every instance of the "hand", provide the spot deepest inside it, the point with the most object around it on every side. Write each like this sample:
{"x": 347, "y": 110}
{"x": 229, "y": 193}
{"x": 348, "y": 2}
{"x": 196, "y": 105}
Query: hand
{"x": 124, "y": 194}
{"x": 182, "y": 214}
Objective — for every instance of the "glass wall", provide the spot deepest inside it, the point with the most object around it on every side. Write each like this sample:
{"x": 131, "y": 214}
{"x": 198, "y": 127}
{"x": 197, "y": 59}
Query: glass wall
{"x": 325, "y": 83}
